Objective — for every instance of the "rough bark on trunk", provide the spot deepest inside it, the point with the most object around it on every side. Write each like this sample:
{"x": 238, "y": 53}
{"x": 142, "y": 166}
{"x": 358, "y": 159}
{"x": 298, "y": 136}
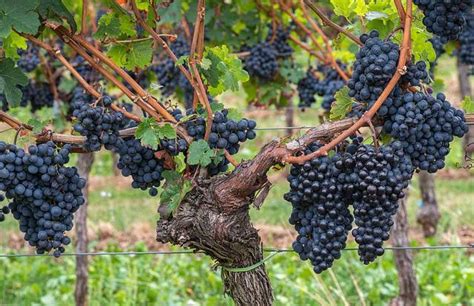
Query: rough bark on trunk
{"x": 403, "y": 259}
{"x": 466, "y": 91}
{"x": 428, "y": 215}
{"x": 84, "y": 165}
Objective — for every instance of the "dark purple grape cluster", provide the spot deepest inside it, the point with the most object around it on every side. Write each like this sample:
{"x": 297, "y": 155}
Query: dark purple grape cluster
{"x": 438, "y": 45}
{"x": 29, "y": 58}
{"x": 43, "y": 193}
{"x": 262, "y": 61}
{"x": 382, "y": 177}
{"x": 323, "y": 189}
{"x": 39, "y": 94}
{"x": 279, "y": 40}
{"x": 376, "y": 63}
{"x": 329, "y": 84}
{"x": 225, "y": 134}
{"x": 140, "y": 163}
{"x": 85, "y": 70}
{"x": 100, "y": 125}
{"x": 170, "y": 77}
{"x": 444, "y": 17}
{"x": 466, "y": 40}
{"x": 307, "y": 87}
{"x": 320, "y": 213}
{"x": 425, "y": 126}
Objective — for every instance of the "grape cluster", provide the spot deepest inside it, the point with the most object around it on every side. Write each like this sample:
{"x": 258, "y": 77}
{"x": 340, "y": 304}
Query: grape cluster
{"x": 225, "y": 134}
{"x": 262, "y": 61}
{"x": 85, "y": 70}
{"x": 323, "y": 189}
{"x": 330, "y": 83}
{"x": 279, "y": 41}
{"x": 438, "y": 45}
{"x": 376, "y": 63}
{"x": 425, "y": 126}
{"x": 466, "y": 40}
{"x": 29, "y": 58}
{"x": 39, "y": 94}
{"x": 170, "y": 77}
{"x": 383, "y": 176}
{"x": 97, "y": 123}
{"x": 320, "y": 213}
{"x": 43, "y": 194}
{"x": 307, "y": 89}
{"x": 444, "y": 17}
{"x": 139, "y": 162}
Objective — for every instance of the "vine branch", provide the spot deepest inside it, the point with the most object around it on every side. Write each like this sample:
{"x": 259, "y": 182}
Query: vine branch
{"x": 330, "y": 23}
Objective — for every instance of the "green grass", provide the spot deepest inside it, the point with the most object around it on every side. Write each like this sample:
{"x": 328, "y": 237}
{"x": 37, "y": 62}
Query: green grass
{"x": 181, "y": 279}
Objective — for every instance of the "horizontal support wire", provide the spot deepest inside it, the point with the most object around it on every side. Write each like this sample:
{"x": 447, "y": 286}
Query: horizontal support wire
{"x": 266, "y": 250}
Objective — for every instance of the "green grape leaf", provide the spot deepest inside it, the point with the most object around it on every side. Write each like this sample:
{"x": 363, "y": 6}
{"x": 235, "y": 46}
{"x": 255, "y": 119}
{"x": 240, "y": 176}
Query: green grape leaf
{"x": 215, "y": 107}
{"x": 20, "y": 15}
{"x": 342, "y": 106}
{"x": 468, "y": 105}
{"x": 182, "y": 60}
{"x": 438, "y": 85}
{"x": 150, "y": 133}
{"x": 225, "y": 70}
{"x": 55, "y": 8}
{"x": 132, "y": 55}
{"x": 37, "y": 125}
{"x": 234, "y": 114}
{"x": 12, "y": 43}
{"x": 422, "y": 48}
{"x": 180, "y": 163}
{"x": 349, "y": 8}
{"x": 10, "y": 78}
{"x": 175, "y": 189}
{"x": 115, "y": 25}
{"x": 205, "y": 64}
{"x": 200, "y": 153}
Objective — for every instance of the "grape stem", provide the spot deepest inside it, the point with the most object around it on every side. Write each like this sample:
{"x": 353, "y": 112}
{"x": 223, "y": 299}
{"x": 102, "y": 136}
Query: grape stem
{"x": 367, "y": 116}
{"x": 84, "y": 17}
{"x": 48, "y": 135}
{"x": 138, "y": 100}
{"x": 89, "y": 88}
{"x": 78, "y": 42}
{"x": 307, "y": 48}
{"x": 194, "y": 79}
{"x": 198, "y": 44}
{"x": 302, "y": 27}
{"x": 330, "y": 23}
{"x": 327, "y": 43}
{"x": 400, "y": 10}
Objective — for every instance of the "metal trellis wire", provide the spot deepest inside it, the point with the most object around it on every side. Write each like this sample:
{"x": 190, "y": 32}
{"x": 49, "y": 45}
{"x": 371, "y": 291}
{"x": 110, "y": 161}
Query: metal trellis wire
{"x": 266, "y": 250}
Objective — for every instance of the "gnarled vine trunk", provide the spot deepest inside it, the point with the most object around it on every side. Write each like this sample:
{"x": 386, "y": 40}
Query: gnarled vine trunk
{"x": 203, "y": 223}
{"x": 214, "y": 218}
